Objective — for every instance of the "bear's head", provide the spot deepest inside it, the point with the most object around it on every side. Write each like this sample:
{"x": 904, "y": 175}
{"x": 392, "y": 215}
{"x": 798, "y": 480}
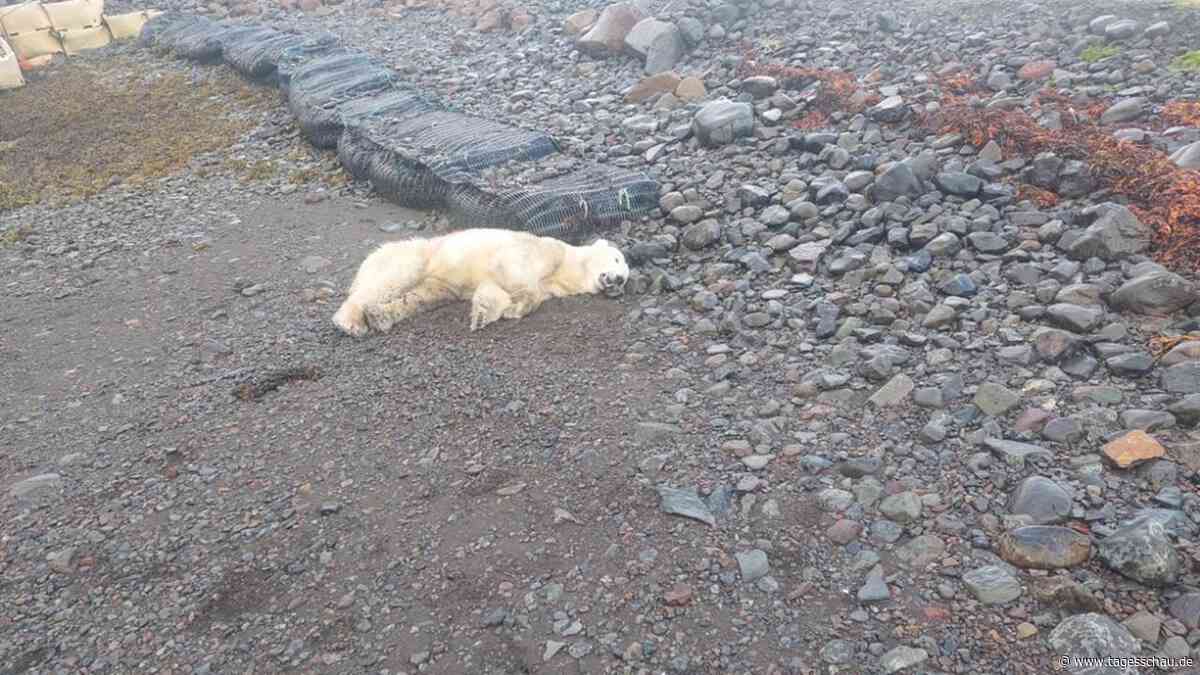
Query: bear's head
{"x": 606, "y": 268}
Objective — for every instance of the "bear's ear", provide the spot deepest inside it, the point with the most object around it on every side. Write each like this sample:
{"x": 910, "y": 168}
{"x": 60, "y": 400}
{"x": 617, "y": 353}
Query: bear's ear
{"x": 601, "y": 242}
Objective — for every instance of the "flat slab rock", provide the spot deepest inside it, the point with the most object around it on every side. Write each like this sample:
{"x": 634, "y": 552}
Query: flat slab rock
{"x": 1132, "y": 449}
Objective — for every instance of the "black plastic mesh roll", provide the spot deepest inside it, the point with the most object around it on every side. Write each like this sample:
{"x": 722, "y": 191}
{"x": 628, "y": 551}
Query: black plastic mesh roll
{"x": 207, "y": 47}
{"x": 252, "y": 58}
{"x": 571, "y": 206}
{"x": 318, "y": 88}
{"x": 290, "y": 59}
{"x": 411, "y": 149}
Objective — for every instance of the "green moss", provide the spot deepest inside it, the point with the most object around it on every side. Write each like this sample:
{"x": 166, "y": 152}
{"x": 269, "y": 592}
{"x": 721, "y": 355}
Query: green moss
{"x": 1096, "y": 53}
{"x": 96, "y": 122}
{"x": 1189, "y": 62}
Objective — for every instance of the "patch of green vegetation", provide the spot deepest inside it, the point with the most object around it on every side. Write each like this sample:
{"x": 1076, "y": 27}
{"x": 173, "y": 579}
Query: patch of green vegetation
{"x": 1189, "y": 62}
{"x": 1096, "y": 53}
{"x": 91, "y": 124}
{"x": 1186, "y": 4}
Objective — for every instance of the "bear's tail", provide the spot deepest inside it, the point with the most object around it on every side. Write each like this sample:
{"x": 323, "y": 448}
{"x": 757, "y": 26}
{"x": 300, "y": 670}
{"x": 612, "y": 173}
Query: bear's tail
{"x": 387, "y": 273}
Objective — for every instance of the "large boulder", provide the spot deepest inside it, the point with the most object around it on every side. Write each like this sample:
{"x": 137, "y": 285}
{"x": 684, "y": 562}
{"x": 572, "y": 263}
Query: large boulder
{"x": 666, "y": 50}
{"x": 1115, "y": 234}
{"x": 1155, "y": 293}
{"x": 607, "y": 34}
{"x": 722, "y": 121}
{"x": 1092, "y": 636}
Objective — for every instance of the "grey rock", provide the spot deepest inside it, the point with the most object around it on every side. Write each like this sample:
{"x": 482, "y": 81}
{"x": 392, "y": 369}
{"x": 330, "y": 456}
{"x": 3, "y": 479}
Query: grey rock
{"x": 753, "y": 564}
{"x": 760, "y": 86}
{"x": 685, "y": 502}
{"x": 1121, "y": 30}
{"x": 701, "y": 235}
{"x": 1126, "y": 110}
{"x": 1154, "y": 293}
{"x": 1092, "y": 635}
{"x": 1015, "y": 452}
{"x": 1187, "y": 157}
{"x": 890, "y": 109}
{"x": 958, "y": 183}
{"x": 992, "y": 585}
{"x": 1182, "y": 378}
{"x": 1186, "y": 608}
{"x": 1040, "y": 498}
{"x": 1075, "y": 318}
{"x": 903, "y": 507}
{"x": 875, "y": 589}
{"x": 898, "y": 180}
{"x": 722, "y": 121}
{"x": 995, "y": 399}
{"x": 1157, "y": 30}
{"x": 834, "y": 500}
{"x": 36, "y": 486}
{"x": 1186, "y": 410}
{"x": 1142, "y": 551}
{"x": 921, "y": 551}
{"x": 894, "y": 392}
{"x": 1116, "y": 234}
{"x": 902, "y": 658}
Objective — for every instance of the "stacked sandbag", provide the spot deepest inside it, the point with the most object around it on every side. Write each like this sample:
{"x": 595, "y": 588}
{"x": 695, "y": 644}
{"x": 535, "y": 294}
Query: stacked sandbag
{"x": 409, "y": 146}
{"x": 10, "y": 70}
{"x": 28, "y": 30}
{"x": 128, "y": 25}
{"x": 79, "y": 24}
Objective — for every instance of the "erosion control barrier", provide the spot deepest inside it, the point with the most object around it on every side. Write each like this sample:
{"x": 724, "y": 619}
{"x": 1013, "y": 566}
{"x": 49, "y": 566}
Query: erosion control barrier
{"x": 36, "y": 31}
{"x": 411, "y": 147}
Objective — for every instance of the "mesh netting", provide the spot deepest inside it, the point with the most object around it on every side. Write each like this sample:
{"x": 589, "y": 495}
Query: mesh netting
{"x": 181, "y": 27}
{"x": 569, "y": 206}
{"x": 252, "y": 58}
{"x": 416, "y": 159}
{"x": 206, "y": 46}
{"x": 290, "y": 59}
{"x": 318, "y": 88}
{"x": 408, "y": 146}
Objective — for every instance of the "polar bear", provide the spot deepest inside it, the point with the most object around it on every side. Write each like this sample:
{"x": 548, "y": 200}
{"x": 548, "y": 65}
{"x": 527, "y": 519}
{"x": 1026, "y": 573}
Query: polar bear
{"x": 504, "y": 273}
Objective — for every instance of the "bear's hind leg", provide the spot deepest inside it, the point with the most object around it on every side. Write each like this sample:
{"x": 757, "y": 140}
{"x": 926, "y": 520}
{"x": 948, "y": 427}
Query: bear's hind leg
{"x": 425, "y": 296}
{"x": 488, "y": 304}
{"x": 524, "y": 303}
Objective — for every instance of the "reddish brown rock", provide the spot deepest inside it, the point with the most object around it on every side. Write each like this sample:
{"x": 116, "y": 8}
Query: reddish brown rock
{"x": 662, "y": 83}
{"x": 607, "y": 36}
{"x": 679, "y": 595}
{"x": 1033, "y": 419}
{"x": 489, "y": 21}
{"x": 690, "y": 89}
{"x": 580, "y": 21}
{"x": 1036, "y": 70}
{"x": 844, "y": 531}
{"x": 1132, "y": 449}
{"x": 519, "y": 18}
{"x": 309, "y": 5}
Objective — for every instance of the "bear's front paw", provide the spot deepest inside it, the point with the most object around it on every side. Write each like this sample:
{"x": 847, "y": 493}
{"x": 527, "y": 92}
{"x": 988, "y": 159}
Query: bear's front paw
{"x": 351, "y": 320}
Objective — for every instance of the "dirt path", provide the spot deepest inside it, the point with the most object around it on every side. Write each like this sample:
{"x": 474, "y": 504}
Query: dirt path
{"x": 426, "y": 475}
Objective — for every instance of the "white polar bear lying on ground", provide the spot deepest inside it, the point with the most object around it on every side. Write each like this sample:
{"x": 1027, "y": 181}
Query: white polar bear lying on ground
{"x": 504, "y": 273}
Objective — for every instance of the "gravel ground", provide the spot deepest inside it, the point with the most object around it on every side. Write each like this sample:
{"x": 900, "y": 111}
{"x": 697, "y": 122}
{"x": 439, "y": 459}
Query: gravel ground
{"x": 828, "y": 430}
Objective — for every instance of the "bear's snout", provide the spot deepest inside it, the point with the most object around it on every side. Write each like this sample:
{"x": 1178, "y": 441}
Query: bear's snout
{"x": 612, "y": 284}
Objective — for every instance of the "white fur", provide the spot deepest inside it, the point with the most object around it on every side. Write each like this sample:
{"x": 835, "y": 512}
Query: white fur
{"x": 504, "y": 273}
